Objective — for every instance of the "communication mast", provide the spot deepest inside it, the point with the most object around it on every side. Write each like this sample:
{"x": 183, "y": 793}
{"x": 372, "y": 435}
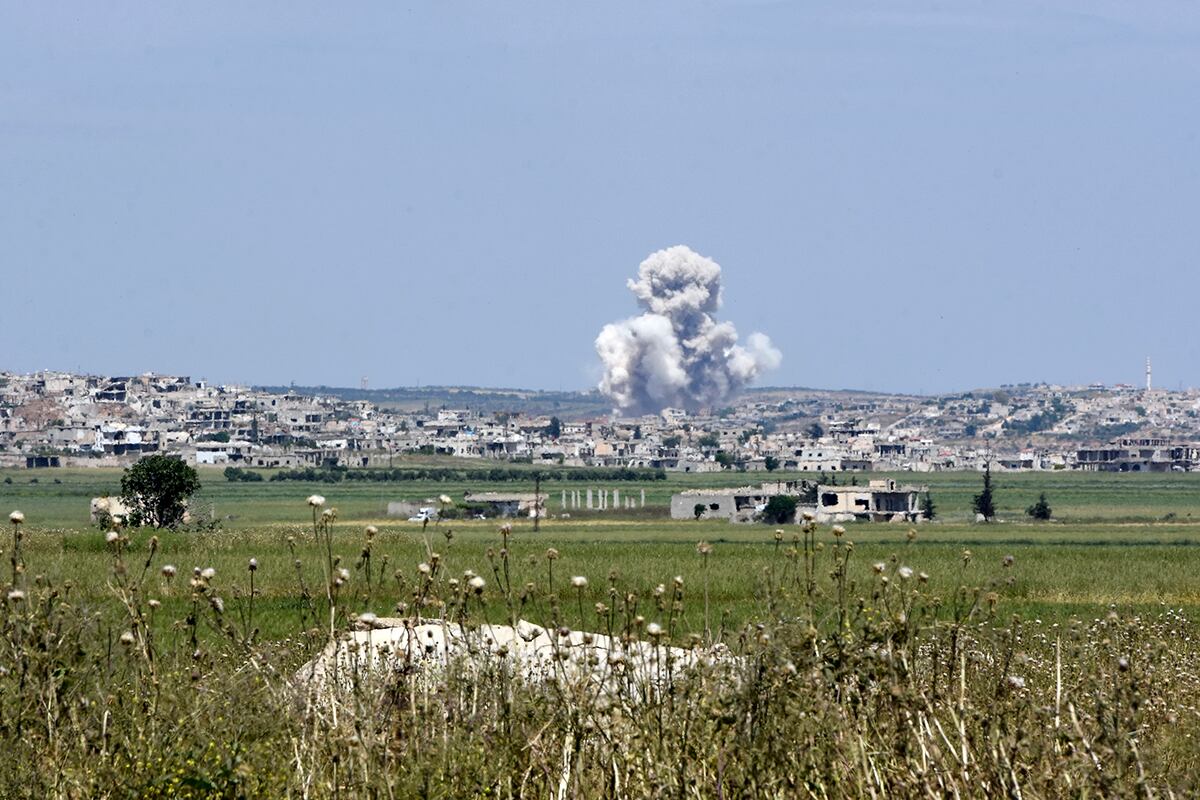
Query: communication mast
{"x": 1147, "y": 373}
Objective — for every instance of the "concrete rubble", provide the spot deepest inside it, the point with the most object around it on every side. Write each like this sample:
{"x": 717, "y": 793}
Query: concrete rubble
{"x": 393, "y": 646}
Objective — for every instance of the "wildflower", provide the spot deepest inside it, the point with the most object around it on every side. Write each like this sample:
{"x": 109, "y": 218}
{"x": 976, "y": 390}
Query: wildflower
{"x": 679, "y": 581}
{"x": 1016, "y": 682}
{"x": 505, "y": 529}
{"x": 127, "y": 639}
{"x": 923, "y": 577}
{"x": 1123, "y": 664}
{"x": 168, "y": 571}
{"x": 808, "y": 516}
{"x": 208, "y": 573}
{"x": 654, "y": 629}
{"x": 703, "y": 548}
{"x": 344, "y": 574}
{"x": 911, "y": 535}
{"x": 879, "y": 567}
{"x": 477, "y": 583}
{"x": 579, "y": 582}
{"x": 1008, "y": 561}
{"x": 253, "y": 565}
{"x": 219, "y": 605}
{"x": 327, "y": 514}
{"x": 16, "y": 596}
{"x": 371, "y": 531}
{"x": 424, "y": 568}
{"x": 779, "y": 534}
{"x": 16, "y": 518}
{"x": 111, "y": 537}
{"x": 551, "y": 554}
{"x": 367, "y": 618}
{"x": 445, "y": 499}
{"x": 905, "y": 572}
{"x": 154, "y": 604}
{"x": 316, "y": 500}
{"x": 839, "y": 531}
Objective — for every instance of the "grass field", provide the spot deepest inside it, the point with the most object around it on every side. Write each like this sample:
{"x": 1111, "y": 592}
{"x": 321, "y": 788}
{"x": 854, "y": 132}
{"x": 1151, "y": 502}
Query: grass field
{"x": 1072, "y": 676}
{"x": 1121, "y": 541}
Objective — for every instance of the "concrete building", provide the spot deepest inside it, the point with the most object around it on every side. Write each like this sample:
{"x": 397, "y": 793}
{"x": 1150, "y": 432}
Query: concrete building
{"x": 878, "y": 501}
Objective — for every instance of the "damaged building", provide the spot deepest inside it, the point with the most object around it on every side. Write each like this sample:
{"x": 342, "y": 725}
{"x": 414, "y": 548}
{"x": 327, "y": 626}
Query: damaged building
{"x": 878, "y": 501}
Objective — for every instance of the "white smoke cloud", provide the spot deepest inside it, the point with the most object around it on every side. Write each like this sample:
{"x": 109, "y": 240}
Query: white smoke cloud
{"x": 676, "y": 355}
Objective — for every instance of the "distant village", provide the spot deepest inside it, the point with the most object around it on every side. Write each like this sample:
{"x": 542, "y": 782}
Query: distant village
{"x": 61, "y": 419}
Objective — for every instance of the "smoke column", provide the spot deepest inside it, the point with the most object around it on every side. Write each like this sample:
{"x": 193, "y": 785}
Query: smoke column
{"x": 676, "y": 355}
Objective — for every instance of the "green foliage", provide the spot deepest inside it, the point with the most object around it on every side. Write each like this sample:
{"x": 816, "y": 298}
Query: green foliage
{"x": 725, "y": 459}
{"x": 219, "y": 436}
{"x": 242, "y": 475}
{"x": 815, "y": 431}
{"x": 448, "y": 474}
{"x": 709, "y": 441}
{"x": 984, "y": 503}
{"x": 1041, "y": 421}
{"x": 156, "y": 490}
{"x": 1041, "y": 509}
{"x": 554, "y": 429}
{"x": 698, "y": 510}
{"x": 672, "y": 441}
{"x": 771, "y": 463}
{"x": 780, "y": 510}
{"x": 928, "y": 509}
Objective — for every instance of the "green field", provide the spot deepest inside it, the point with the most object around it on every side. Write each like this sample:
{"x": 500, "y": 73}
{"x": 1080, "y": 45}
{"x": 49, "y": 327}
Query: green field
{"x": 1121, "y": 541}
{"x": 1072, "y": 675}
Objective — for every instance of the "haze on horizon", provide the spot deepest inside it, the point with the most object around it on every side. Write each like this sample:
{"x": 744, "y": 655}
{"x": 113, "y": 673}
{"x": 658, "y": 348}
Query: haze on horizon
{"x": 908, "y": 196}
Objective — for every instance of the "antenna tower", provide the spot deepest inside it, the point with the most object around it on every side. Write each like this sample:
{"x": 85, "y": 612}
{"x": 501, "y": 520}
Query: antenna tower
{"x": 1147, "y": 373}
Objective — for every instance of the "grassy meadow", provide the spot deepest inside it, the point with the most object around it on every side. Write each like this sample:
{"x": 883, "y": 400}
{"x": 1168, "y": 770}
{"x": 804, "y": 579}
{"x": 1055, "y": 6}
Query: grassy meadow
{"x": 1015, "y": 658}
{"x": 1123, "y": 541}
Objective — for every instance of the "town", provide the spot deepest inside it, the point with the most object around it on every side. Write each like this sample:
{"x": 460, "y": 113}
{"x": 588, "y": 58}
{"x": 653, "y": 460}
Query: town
{"x": 50, "y": 419}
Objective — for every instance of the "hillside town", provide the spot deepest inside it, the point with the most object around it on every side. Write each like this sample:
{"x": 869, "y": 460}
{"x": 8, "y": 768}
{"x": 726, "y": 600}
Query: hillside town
{"x": 62, "y": 419}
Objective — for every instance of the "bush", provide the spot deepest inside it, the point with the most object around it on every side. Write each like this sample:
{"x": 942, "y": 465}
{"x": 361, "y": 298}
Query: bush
{"x": 1040, "y": 510}
{"x": 780, "y": 510}
{"x": 244, "y": 475}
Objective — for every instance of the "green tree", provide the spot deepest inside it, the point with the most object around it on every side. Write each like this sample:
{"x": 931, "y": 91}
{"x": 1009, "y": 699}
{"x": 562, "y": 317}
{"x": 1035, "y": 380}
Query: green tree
{"x": 927, "y": 507}
{"x": 1040, "y": 509}
{"x": 726, "y": 460}
{"x": 780, "y": 510}
{"x": 671, "y": 441}
{"x": 698, "y": 510}
{"x": 815, "y": 431}
{"x": 771, "y": 463}
{"x": 554, "y": 430}
{"x": 983, "y": 502}
{"x": 709, "y": 440}
{"x": 156, "y": 490}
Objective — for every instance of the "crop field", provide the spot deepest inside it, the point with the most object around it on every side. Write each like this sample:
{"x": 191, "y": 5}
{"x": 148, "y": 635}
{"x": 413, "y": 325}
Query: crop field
{"x": 1118, "y": 541}
{"x": 948, "y": 658}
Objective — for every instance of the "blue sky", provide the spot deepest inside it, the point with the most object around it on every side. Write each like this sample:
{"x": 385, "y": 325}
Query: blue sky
{"x": 905, "y": 196}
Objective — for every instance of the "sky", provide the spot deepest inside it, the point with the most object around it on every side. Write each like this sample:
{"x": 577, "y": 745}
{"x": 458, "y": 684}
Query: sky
{"x": 905, "y": 196}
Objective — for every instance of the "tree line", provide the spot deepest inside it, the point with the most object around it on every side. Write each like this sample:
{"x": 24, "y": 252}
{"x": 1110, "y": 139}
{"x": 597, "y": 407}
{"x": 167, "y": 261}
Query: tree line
{"x": 446, "y": 474}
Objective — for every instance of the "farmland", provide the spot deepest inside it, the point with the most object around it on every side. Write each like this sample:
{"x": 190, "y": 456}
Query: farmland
{"x": 181, "y": 681}
{"x": 1124, "y": 541}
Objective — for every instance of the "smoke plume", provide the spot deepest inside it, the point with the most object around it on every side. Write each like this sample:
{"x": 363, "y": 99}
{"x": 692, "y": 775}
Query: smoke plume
{"x": 676, "y": 355}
